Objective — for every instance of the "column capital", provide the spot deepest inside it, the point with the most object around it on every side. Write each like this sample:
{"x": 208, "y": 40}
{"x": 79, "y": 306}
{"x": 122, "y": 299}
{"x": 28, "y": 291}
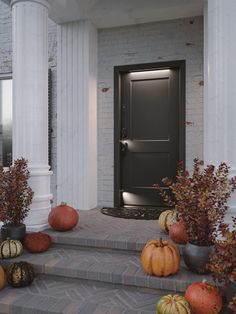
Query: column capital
{"x": 42, "y": 2}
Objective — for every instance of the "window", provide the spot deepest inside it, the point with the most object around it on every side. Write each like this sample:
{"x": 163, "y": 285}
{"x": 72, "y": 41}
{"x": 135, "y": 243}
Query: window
{"x": 5, "y": 118}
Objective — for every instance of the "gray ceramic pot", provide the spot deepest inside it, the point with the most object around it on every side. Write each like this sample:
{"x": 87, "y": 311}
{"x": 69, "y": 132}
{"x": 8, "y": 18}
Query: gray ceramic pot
{"x": 230, "y": 291}
{"x": 15, "y": 232}
{"x": 196, "y": 257}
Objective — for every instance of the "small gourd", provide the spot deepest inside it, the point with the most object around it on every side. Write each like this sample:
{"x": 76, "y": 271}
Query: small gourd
{"x": 177, "y": 232}
{"x": 37, "y": 242}
{"x": 20, "y": 274}
{"x": 174, "y": 304}
{"x": 167, "y": 218}
{"x": 10, "y": 248}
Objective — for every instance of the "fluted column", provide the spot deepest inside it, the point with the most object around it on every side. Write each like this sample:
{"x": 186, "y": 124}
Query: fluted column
{"x": 77, "y": 115}
{"x": 219, "y": 86}
{"x": 30, "y": 101}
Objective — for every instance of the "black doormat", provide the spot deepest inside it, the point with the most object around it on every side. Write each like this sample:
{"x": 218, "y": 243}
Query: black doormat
{"x": 134, "y": 212}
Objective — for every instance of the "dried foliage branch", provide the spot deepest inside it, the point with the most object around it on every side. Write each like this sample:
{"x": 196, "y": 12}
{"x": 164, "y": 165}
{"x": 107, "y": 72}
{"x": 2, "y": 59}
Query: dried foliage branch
{"x": 232, "y": 304}
{"x": 200, "y": 198}
{"x": 223, "y": 259}
{"x": 15, "y": 193}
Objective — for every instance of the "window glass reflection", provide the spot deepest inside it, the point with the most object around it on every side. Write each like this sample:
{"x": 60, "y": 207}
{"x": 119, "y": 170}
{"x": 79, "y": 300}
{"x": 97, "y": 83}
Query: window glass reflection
{"x": 5, "y": 120}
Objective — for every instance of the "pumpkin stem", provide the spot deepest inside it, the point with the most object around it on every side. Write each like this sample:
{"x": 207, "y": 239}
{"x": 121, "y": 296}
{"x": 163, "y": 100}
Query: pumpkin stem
{"x": 161, "y": 243}
{"x": 63, "y": 203}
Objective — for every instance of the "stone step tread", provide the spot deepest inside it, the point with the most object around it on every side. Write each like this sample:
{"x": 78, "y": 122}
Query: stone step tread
{"x": 97, "y": 230}
{"x": 114, "y": 267}
{"x": 60, "y": 295}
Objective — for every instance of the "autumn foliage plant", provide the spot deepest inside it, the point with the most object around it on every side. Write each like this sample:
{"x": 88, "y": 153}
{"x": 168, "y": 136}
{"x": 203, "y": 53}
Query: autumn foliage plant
{"x": 200, "y": 199}
{"x": 15, "y": 193}
{"x": 223, "y": 258}
{"x": 222, "y": 262}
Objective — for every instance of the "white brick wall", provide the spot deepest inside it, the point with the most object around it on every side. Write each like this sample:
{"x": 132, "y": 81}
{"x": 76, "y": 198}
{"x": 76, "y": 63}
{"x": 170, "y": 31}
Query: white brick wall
{"x": 162, "y": 41}
{"x": 5, "y": 39}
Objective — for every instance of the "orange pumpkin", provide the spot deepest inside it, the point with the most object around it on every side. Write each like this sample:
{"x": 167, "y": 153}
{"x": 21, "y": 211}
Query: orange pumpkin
{"x": 160, "y": 258}
{"x": 177, "y": 232}
{"x": 37, "y": 242}
{"x": 203, "y": 298}
{"x": 2, "y": 278}
{"x": 63, "y": 217}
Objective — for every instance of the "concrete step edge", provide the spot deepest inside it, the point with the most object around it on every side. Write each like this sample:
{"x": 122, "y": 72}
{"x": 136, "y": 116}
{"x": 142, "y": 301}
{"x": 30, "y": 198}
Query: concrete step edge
{"x": 177, "y": 283}
{"x": 130, "y": 246}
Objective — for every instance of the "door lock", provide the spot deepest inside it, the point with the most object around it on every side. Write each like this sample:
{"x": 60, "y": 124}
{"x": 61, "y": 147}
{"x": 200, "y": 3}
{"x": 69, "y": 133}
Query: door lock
{"x": 124, "y": 133}
{"x": 123, "y": 147}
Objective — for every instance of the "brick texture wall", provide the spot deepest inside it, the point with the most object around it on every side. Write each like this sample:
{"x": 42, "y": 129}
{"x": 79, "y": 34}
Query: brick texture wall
{"x": 5, "y": 39}
{"x": 153, "y": 42}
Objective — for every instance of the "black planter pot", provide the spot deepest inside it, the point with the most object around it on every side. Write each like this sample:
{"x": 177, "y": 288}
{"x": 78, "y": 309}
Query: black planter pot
{"x": 16, "y": 232}
{"x": 196, "y": 257}
{"x": 230, "y": 291}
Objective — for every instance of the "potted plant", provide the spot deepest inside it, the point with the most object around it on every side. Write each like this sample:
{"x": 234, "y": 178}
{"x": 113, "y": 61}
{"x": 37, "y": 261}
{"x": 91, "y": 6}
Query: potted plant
{"x": 200, "y": 199}
{"x": 15, "y": 199}
{"x": 222, "y": 262}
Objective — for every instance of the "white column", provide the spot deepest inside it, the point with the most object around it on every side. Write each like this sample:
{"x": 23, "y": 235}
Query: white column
{"x": 220, "y": 86}
{"x": 30, "y": 101}
{"x": 77, "y": 115}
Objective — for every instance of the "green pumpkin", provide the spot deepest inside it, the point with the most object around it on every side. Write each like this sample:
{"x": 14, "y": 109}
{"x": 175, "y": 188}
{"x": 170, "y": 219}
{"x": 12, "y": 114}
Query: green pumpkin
{"x": 10, "y": 248}
{"x": 20, "y": 274}
{"x": 173, "y": 304}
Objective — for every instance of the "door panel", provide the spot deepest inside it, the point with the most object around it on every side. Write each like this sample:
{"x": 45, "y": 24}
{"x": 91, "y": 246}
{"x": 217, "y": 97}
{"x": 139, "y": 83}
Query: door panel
{"x": 150, "y": 133}
{"x": 146, "y": 96}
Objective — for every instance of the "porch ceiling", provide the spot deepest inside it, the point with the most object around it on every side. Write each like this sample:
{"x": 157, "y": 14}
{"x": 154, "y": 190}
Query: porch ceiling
{"x": 112, "y": 13}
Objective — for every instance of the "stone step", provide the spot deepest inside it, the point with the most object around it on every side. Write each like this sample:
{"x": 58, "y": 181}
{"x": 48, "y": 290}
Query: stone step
{"x": 49, "y": 294}
{"x": 97, "y": 230}
{"x": 59, "y": 295}
{"x": 75, "y": 240}
{"x": 110, "y": 267}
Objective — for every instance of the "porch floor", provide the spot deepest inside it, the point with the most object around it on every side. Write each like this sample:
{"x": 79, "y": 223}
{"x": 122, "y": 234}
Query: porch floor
{"x": 95, "y": 269}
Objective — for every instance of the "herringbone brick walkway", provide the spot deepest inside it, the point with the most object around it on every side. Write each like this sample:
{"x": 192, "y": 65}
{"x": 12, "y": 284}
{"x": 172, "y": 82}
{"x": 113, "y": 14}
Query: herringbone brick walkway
{"x": 94, "y": 269}
{"x": 63, "y": 296}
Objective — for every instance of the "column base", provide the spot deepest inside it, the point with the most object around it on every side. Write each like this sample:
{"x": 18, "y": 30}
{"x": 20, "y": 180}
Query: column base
{"x": 37, "y": 218}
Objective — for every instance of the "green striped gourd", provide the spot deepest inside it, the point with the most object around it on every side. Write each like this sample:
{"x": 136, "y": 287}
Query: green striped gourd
{"x": 20, "y": 274}
{"x": 173, "y": 304}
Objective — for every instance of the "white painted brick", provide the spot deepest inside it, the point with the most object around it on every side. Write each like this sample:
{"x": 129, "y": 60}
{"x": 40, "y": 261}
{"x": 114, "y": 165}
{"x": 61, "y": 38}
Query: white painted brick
{"x": 154, "y": 42}
{"x": 145, "y": 43}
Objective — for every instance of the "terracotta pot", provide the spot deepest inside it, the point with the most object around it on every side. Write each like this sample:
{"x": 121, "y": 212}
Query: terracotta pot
{"x": 15, "y": 232}
{"x": 196, "y": 257}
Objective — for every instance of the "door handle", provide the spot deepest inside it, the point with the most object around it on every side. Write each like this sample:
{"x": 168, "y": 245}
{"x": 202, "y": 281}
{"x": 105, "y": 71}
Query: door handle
{"x": 123, "y": 147}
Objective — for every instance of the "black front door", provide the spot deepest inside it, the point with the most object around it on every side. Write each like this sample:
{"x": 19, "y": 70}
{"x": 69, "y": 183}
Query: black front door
{"x": 150, "y": 133}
